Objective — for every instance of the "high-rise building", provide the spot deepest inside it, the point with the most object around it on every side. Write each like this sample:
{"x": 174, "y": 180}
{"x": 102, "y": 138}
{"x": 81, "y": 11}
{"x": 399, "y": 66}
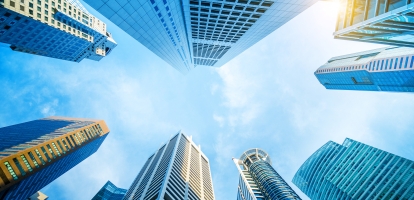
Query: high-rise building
{"x": 383, "y": 22}
{"x": 38, "y": 196}
{"x": 177, "y": 170}
{"x": 190, "y": 33}
{"x": 355, "y": 170}
{"x": 110, "y": 192}
{"x": 61, "y": 29}
{"x": 259, "y": 180}
{"x": 35, "y": 153}
{"x": 386, "y": 69}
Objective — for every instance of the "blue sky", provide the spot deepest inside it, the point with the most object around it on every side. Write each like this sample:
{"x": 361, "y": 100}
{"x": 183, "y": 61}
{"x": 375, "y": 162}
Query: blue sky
{"x": 267, "y": 98}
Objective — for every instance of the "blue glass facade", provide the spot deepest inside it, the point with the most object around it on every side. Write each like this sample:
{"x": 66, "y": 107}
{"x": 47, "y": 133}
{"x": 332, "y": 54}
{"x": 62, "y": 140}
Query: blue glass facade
{"x": 35, "y": 153}
{"x": 110, "y": 192}
{"x": 259, "y": 180}
{"x": 355, "y": 170}
{"x": 191, "y": 33}
{"x": 386, "y": 69}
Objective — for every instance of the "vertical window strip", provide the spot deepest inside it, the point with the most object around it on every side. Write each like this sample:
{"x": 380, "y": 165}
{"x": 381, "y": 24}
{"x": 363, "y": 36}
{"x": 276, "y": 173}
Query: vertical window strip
{"x": 396, "y": 62}
{"x": 66, "y": 145}
{"x": 40, "y": 156}
{"x": 45, "y": 153}
{"x": 11, "y": 171}
{"x": 412, "y": 59}
{"x": 51, "y": 151}
{"x": 406, "y": 62}
{"x": 83, "y": 133}
{"x": 99, "y": 126}
{"x": 402, "y": 59}
{"x": 61, "y": 147}
{"x": 26, "y": 162}
{"x": 391, "y": 61}
{"x": 386, "y": 65}
{"x": 382, "y": 64}
{"x": 19, "y": 166}
{"x": 77, "y": 140}
{"x": 74, "y": 143}
{"x": 81, "y": 138}
{"x": 33, "y": 159}
{"x": 56, "y": 149}
{"x": 4, "y": 177}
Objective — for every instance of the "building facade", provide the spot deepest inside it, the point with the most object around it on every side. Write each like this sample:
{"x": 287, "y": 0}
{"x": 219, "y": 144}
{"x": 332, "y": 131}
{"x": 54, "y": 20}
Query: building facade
{"x": 383, "y": 22}
{"x": 193, "y": 33}
{"x": 35, "y": 153}
{"x": 386, "y": 69}
{"x": 110, "y": 192}
{"x": 355, "y": 170}
{"x": 61, "y": 29}
{"x": 258, "y": 180}
{"x": 177, "y": 170}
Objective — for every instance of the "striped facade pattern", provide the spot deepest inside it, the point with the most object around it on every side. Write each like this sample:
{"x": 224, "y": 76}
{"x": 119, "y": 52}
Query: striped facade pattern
{"x": 178, "y": 170}
{"x": 259, "y": 180}
{"x": 355, "y": 171}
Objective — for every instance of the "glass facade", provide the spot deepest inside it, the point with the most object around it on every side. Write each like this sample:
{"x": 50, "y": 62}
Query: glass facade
{"x": 178, "y": 170}
{"x": 110, "y": 192}
{"x": 30, "y": 158}
{"x": 193, "y": 33}
{"x": 355, "y": 170}
{"x": 386, "y": 69}
{"x": 377, "y": 21}
{"x": 259, "y": 180}
{"x": 61, "y": 29}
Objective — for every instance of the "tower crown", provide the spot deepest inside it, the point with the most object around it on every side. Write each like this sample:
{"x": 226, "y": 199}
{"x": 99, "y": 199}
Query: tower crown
{"x": 253, "y": 155}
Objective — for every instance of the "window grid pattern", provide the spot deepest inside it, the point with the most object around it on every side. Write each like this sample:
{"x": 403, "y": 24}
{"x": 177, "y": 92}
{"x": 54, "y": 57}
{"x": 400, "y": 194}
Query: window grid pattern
{"x": 355, "y": 171}
{"x": 110, "y": 192}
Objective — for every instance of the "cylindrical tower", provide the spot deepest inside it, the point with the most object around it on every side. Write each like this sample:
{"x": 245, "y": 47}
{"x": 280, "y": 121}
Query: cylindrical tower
{"x": 259, "y": 165}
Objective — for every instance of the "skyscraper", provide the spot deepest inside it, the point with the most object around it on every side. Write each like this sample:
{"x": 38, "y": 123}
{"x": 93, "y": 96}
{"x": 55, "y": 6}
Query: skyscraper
{"x": 355, "y": 170}
{"x": 177, "y": 170}
{"x": 384, "y": 22}
{"x": 110, "y": 192}
{"x": 386, "y": 69}
{"x": 190, "y": 33}
{"x": 61, "y": 29}
{"x": 259, "y": 180}
{"x": 35, "y": 153}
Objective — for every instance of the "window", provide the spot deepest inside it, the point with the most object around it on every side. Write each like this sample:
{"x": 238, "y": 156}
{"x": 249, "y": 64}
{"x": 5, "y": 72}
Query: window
{"x": 21, "y": 8}
{"x": 39, "y": 15}
{"x": 12, "y": 4}
{"x": 396, "y": 62}
{"x": 66, "y": 145}
{"x": 40, "y": 156}
{"x": 74, "y": 143}
{"x": 386, "y": 65}
{"x": 61, "y": 147}
{"x": 406, "y": 62}
{"x": 77, "y": 140}
{"x": 45, "y": 153}
{"x": 26, "y": 163}
{"x": 17, "y": 163}
{"x": 33, "y": 159}
{"x": 39, "y": 9}
{"x": 80, "y": 136}
{"x": 401, "y": 61}
{"x": 51, "y": 151}
{"x": 10, "y": 169}
{"x": 56, "y": 149}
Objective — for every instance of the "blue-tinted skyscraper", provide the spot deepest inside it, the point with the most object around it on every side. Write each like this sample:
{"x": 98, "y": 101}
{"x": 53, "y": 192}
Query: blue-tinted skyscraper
{"x": 387, "y": 69}
{"x": 383, "y": 21}
{"x": 35, "y": 153}
{"x": 177, "y": 170}
{"x": 191, "y": 33}
{"x": 355, "y": 170}
{"x": 110, "y": 192}
{"x": 258, "y": 180}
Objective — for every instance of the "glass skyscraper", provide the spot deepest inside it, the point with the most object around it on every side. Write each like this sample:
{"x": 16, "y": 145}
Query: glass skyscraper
{"x": 35, "y": 153}
{"x": 110, "y": 192}
{"x": 177, "y": 170}
{"x": 259, "y": 180}
{"x": 386, "y": 69}
{"x": 355, "y": 170}
{"x": 61, "y": 29}
{"x": 384, "y": 22}
{"x": 193, "y": 33}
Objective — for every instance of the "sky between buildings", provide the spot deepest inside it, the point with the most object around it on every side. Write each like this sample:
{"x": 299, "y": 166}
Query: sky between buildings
{"x": 267, "y": 97}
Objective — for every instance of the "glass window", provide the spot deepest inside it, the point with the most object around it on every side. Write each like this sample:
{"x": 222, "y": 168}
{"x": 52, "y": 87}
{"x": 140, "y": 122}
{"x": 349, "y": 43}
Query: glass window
{"x": 401, "y": 61}
{"x": 19, "y": 166}
{"x": 51, "y": 151}
{"x": 33, "y": 159}
{"x": 66, "y": 145}
{"x": 45, "y": 153}
{"x": 406, "y": 62}
{"x": 396, "y": 62}
{"x": 358, "y": 12}
{"x": 40, "y": 156}
{"x": 412, "y": 59}
{"x": 61, "y": 147}
{"x": 26, "y": 162}
{"x": 56, "y": 149}
{"x": 74, "y": 143}
{"x": 386, "y": 65}
{"x": 77, "y": 140}
{"x": 70, "y": 144}
{"x": 10, "y": 169}
{"x": 394, "y": 4}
